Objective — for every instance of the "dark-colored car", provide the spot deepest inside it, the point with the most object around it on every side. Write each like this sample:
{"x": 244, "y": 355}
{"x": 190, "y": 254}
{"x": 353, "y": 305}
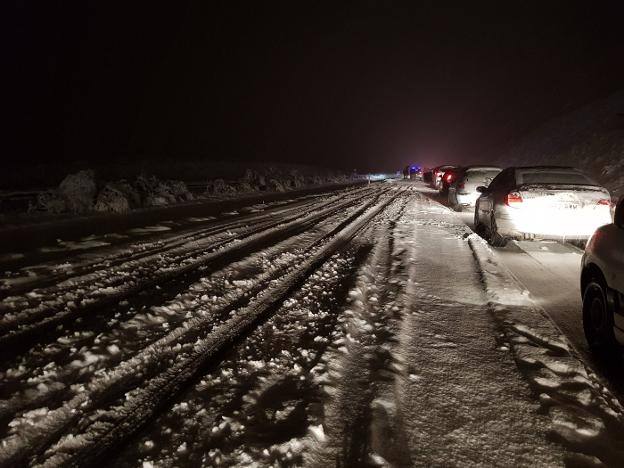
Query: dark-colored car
{"x": 449, "y": 176}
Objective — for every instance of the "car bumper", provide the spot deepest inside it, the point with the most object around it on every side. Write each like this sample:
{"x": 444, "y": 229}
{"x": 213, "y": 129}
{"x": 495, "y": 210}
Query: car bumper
{"x": 468, "y": 200}
{"x": 553, "y": 226}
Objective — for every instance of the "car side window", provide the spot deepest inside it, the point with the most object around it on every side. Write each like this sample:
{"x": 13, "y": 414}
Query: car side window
{"x": 498, "y": 181}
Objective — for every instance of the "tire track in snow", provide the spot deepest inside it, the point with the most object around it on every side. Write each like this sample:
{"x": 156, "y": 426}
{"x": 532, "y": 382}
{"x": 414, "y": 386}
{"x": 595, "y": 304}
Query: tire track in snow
{"x": 53, "y": 388}
{"x": 19, "y": 326}
{"x": 365, "y": 364}
{"x": 258, "y": 403}
{"x": 109, "y": 257}
{"x": 108, "y": 261}
{"x": 110, "y": 427}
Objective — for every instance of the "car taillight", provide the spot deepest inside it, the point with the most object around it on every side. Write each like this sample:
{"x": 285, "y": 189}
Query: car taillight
{"x": 449, "y": 177}
{"x": 513, "y": 199}
{"x": 604, "y": 202}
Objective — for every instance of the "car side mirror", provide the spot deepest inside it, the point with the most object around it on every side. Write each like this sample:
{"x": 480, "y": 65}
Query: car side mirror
{"x": 482, "y": 189}
{"x": 618, "y": 218}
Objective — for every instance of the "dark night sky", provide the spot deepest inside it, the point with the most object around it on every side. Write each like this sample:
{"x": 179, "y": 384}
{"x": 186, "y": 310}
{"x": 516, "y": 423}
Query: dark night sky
{"x": 366, "y": 84}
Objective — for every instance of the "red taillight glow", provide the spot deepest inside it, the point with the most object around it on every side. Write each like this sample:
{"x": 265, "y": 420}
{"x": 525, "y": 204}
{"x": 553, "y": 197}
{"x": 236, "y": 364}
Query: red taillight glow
{"x": 513, "y": 199}
{"x": 449, "y": 177}
{"x": 604, "y": 202}
{"x": 461, "y": 185}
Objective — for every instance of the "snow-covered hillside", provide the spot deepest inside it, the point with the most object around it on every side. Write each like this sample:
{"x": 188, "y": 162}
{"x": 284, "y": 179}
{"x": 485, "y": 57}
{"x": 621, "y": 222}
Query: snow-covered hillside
{"x": 590, "y": 138}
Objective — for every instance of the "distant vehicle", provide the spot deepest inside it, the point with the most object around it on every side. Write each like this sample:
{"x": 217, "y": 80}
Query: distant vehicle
{"x": 462, "y": 193}
{"x": 541, "y": 202}
{"x": 449, "y": 177}
{"x": 415, "y": 173}
{"x": 602, "y": 285}
{"x": 438, "y": 172}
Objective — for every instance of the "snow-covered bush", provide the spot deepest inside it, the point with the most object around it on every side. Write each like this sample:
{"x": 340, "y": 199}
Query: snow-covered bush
{"x": 296, "y": 180}
{"x": 79, "y": 191}
{"x": 50, "y": 201}
{"x": 243, "y": 186}
{"x": 179, "y": 190}
{"x": 131, "y": 193}
{"x": 111, "y": 199}
{"x": 314, "y": 180}
{"x": 255, "y": 179}
{"x": 275, "y": 185}
{"x": 155, "y": 192}
{"x": 219, "y": 187}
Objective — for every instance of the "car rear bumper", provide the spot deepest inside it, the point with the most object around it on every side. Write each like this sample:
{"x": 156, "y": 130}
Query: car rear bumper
{"x": 468, "y": 200}
{"x": 553, "y": 226}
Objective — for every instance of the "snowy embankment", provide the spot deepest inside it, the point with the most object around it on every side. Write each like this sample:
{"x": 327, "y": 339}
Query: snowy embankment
{"x": 366, "y": 327}
{"x": 81, "y": 193}
{"x": 590, "y": 138}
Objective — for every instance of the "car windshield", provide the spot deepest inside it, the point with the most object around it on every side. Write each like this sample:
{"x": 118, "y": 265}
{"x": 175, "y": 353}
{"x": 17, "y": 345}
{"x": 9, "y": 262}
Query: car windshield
{"x": 554, "y": 177}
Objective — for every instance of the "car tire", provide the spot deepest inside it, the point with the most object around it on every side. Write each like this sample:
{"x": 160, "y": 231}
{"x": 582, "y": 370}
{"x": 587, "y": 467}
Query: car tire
{"x": 494, "y": 238}
{"x": 479, "y": 228}
{"x": 598, "y": 318}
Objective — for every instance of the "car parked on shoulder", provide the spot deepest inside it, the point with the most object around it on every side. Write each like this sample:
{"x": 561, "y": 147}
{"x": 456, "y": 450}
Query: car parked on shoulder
{"x": 438, "y": 173}
{"x": 462, "y": 193}
{"x": 541, "y": 202}
{"x": 449, "y": 177}
{"x": 428, "y": 176}
{"x": 602, "y": 285}
{"x": 415, "y": 173}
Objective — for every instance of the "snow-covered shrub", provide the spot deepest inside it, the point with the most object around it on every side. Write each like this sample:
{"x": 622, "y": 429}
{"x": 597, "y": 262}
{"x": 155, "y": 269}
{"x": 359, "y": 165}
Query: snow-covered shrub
{"x": 315, "y": 180}
{"x": 296, "y": 180}
{"x": 255, "y": 179}
{"x": 79, "y": 191}
{"x": 155, "y": 192}
{"x": 219, "y": 187}
{"x": 275, "y": 185}
{"x": 111, "y": 199}
{"x": 131, "y": 193}
{"x": 50, "y": 201}
{"x": 179, "y": 190}
{"x": 242, "y": 186}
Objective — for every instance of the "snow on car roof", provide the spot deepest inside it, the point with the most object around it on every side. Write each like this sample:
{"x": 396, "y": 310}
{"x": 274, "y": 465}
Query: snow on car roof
{"x": 482, "y": 168}
{"x": 546, "y": 168}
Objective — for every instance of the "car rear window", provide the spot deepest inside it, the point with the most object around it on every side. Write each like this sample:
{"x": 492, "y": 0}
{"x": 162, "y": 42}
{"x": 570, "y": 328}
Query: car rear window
{"x": 554, "y": 177}
{"x": 481, "y": 175}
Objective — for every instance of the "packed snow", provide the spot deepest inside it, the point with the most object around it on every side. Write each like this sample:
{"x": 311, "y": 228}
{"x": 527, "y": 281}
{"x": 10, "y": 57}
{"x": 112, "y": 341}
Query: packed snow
{"x": 365, "y": 327}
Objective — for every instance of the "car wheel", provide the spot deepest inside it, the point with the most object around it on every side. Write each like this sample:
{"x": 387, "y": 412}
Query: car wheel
{"x": 452, "y": 201}
{"x": 598, "y": 318}
{"x": 494, "y": 238}
{"x": 478, "y": 227}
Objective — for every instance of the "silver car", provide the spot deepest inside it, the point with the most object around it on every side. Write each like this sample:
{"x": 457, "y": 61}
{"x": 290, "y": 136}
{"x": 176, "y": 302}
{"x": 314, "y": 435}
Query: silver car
{"x": 541, "y": 202}
{"x": 463, "y": 192}
{"x": 602, "y": 285}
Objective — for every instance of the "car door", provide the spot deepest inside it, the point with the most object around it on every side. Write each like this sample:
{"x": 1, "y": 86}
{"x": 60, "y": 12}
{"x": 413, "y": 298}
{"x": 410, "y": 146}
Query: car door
{"x": 616, "y": 250}
{"x": 485, "y": 203}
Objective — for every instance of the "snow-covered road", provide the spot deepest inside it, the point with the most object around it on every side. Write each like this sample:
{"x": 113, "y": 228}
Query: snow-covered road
{"x": 550, "y": 273}
{"x": 364, "y": 327}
